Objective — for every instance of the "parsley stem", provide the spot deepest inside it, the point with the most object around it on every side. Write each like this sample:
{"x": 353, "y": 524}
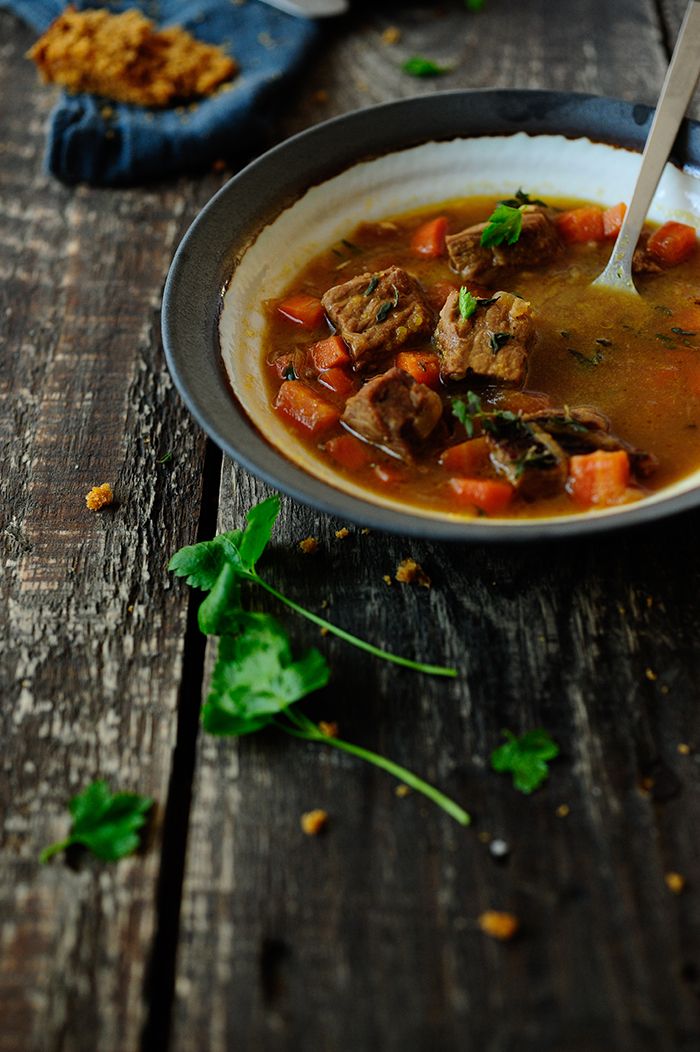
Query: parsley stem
{"x": 53, "y": 849}
{"x": 310, "y": 732}
{"x": 433, "y": 670}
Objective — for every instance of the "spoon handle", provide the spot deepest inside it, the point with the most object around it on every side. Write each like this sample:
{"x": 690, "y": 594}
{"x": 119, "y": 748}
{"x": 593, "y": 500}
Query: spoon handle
{"x": 681, "y": 78}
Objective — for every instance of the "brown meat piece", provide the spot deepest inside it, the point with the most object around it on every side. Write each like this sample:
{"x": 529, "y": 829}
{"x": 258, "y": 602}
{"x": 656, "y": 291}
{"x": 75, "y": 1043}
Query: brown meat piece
{"x": 583, "y": 429}
{"x": 394, "y": 412}
{"x": 493, "y": 341}
{"x": 538, "y": 243}
{"x": 642, "y": 262}
{"x": 376, "y": 316}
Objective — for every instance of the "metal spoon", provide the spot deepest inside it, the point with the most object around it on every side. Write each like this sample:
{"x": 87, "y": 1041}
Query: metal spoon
{"x": 311, "y": 8}
{"x": 681, "y": 78}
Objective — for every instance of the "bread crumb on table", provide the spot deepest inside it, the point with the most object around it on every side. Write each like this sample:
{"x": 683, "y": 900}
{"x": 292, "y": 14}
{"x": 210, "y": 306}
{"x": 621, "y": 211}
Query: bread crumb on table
{"x": 341, "y": 534}
{"x": 410, "y": 571}
{"x": 684, "y": 749}
{"x": 498, "y": 925}
{"x": 391, "y": 35}
{"x": 675, "y": 882}
{"x": 314, "y": 822}
{"x": 122, "y": 57}
{"x": 309, "y": 546}
{"x": 402, "y": 790}
{"x": 99, "y": 496}
{"x": 562, "y": 811}
{"x": 329, "y": 729}
{"x": 387, "y": 578}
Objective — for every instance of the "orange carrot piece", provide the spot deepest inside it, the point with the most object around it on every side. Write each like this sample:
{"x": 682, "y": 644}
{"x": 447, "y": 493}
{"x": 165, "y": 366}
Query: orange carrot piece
{"x": 304, "y": 408}
{"x": 349, "y": 451}
{"x": 600, "y": 478}
{"x": 672, "y": 243}
{"x": 466, "y": 457}
{"x": 429, "y": 238}
{"x": 423, "y": 366}
{"x": 612, "y": 219}
{"x": 487, "y": 495}
{"x": 339, "y": 381}
{"x": 281, "y": 364}
{"x": 581, "y": 224}
{"x": 329, "y": 353}
{"x": 303, "y": 309}
{"x": 388, "y": 474}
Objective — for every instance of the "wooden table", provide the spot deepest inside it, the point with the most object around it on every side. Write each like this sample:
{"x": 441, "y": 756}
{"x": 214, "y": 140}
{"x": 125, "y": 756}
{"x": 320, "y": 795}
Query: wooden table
{"x": 232, "y": 930}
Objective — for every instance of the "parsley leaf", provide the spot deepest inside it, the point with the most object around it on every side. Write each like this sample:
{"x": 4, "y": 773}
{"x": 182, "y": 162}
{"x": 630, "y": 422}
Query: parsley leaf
{"x": 424, "y": 67}
{"x": 522, "y": 198}
{"x": 467, "y": 303}
{"x": 104, "y": 823}
{"x": 255, "y": 678}
{"x": 526, "y": 758}
{"x": 504, "y": 224}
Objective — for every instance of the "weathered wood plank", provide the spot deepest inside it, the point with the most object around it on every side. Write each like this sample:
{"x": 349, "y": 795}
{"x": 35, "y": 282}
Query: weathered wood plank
{"x": 367, "y": 938}
{"x": 92, "y": 632}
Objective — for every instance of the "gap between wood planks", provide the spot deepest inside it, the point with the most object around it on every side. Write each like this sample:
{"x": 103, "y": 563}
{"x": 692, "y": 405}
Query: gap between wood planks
{"x": 159, "y": 989}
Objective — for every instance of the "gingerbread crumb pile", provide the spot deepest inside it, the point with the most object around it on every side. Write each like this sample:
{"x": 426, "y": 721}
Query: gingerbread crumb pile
{"x": 410, "y": 571}
{"x": 122, "y": 57}
{"x": 99, "y": 496}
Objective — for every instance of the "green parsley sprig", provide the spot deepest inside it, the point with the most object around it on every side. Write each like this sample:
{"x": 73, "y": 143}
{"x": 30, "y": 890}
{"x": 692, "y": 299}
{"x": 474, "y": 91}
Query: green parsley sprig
{"x": 418, "y": 66}
{"x": 105, "y": 824}
{"x": 255, "y": 681}
{"x": 506, "y": 222}
{"x": 526, "y": 758}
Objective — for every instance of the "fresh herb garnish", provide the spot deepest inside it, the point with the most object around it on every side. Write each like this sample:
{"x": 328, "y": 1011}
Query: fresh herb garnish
{"x": 495, "y": 421}
{"x": 353, "y": 248}
{"x": 384, "y": 311}
{"x": 104, "y": 823}
{"x": 467, "y": 303}
{"x": 373, "y": 282}
{"x": 255, "y": 681}
{"x": 663, "y": 310}
{"x": 682, "y": 332}
{"x": 498, "y": 340}
{"x": 603, "y": 342}
{"x": 535, "y": 456}
{"x": 526, "y": 758}
{"x": 504, "y": 224}
{"x": 583, "y": 360}
{"x": 521, "y": 199}
{"x": 164, "y": 459}
{"x": 666, "y": 339}
{"x": 220, "y": 565}
{"x": 289, "y": 373}
{"x": 424, "y": 67}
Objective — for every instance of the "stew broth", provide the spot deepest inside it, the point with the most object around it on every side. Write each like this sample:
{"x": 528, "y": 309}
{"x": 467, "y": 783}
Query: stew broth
{"x": 636, "y": 360}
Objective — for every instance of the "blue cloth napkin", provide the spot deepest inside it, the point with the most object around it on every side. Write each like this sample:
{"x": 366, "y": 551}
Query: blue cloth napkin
{"x": 107, "y": 143}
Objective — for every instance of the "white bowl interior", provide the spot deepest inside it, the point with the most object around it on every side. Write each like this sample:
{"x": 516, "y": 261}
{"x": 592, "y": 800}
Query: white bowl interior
{"x": 398, "y": 182}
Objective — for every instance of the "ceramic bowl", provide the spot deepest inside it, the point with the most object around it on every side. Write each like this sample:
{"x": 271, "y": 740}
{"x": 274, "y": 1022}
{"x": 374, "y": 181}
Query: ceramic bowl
{"x": 310, "y": 191}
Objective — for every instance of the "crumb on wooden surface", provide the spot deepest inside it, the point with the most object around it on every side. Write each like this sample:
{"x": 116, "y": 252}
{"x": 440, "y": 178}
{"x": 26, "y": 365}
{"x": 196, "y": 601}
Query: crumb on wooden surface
{"x": 391, "y": 35}
{"x": 329, "y": 729}
{"x": 675, "y": 882}
{"x": 650, "y": 674}
{"x": 387, "y": 578}
{"x": 684, "y": 749}
{"x": 499, "y": 925}
{"x": 402, "y": 790}
{"x": 562, "y": 811}
{"x": 123, "y": 57}
{"x": 309, "y": 546}
{"x": 314, "y": 822}
{"x": 366, "y": 530}
{"x": 321, "y": 95}
{"x": 99, "y": 496}
{"x": 341, "y": 534}
{"x": 410, "y": 571}
{"x": 484, "y": 837}
{"x": 324, "y": 631}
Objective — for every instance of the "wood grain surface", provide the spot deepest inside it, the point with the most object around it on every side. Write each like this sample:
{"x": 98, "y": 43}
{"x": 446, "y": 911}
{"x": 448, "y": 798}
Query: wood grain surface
{"x": 365, "y": 938}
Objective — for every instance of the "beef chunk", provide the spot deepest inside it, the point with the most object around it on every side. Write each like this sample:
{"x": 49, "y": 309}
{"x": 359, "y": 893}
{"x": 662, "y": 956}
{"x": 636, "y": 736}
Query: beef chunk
{"x": 394, "y": 412}
{"x": 376, "y": 313}
{"x": 493, "y": 341}
{"x": 642, "y": 261}
{"x": 538, "y": 243}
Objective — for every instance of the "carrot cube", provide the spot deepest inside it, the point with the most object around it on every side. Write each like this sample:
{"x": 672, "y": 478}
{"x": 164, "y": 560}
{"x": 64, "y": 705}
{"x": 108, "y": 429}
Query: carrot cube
{"x": 581, "y": 224}
{"x": 612, "y": 219}
{"x": 466, "y": 457}
{"x": 339, "y": 381}
{"x": 349, "y": 451}
{"x": 600, "y": 478}
{"x": 303, "y": 309}
{"x": 329, "y": 353}
{"x": 429, "y": 239}
{"x": 423, "y": 366}
{"x": 304, "y": 408}
{"x": 487, "y": 495}
{"x": 672, "y": 243}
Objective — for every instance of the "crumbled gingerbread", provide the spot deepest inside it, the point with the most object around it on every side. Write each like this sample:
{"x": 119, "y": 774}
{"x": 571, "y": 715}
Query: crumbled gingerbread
{"x": 342, "y": 534}
{"x": 402, "y": 790}
{"x": 650, "y": 674}
{"x": 321, "y": 95}
{"x": 309, "y": 546}
{"x": 498, "y": 925}
{"x": 329, "y": 729}
{"x": 675, "y": 882}
{"x": 387, "y": 578}
{"x": 684, "y": 749}
{"x": 99, "y": 496}
{"x": 410, "y": 571}
{"x": 314, "y": 822}
{"x": 122, "y": 57}
{"x": 562, "y": 811}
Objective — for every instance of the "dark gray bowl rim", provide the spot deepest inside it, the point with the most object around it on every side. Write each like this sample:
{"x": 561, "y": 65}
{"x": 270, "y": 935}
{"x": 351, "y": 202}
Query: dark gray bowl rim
{"x": 207, "y": 255}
